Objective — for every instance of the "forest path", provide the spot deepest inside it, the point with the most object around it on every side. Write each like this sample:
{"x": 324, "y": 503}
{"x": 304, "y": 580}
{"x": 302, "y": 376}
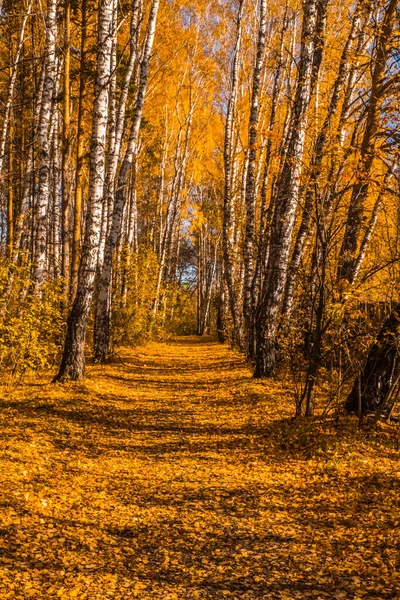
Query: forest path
{"x": 171, "y": 474}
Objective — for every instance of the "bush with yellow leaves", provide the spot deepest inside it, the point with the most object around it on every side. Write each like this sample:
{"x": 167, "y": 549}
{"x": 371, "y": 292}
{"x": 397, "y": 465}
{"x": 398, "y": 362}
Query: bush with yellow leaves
{"x": 31, "y": 327}
{"x": 133, "y": 299}
{"x": 134, "y": 318}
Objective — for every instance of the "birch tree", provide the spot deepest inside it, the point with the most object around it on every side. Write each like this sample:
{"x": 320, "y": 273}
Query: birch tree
{"x": 103, "y": 348}
{"x": 80, "y": 150}
{"x": 73, "y": 360}
{"x": 287, "y": 196}
{"x": 49, "y": 85}
{"x": 14, "y": 72}
{"x": 250, "y": 191}
{"x": 318, "y": 155}
{"x": 66, "y": 143}
{"x": 229, "y": 175}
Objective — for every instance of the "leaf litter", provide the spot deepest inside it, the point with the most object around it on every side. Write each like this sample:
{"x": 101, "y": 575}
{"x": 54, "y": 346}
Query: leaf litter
{"x": 172, "y": 474}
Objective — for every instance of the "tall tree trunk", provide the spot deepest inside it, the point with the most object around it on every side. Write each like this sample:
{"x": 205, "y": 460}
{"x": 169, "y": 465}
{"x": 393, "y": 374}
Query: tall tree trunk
{"x": 55, "y": 217}
{"x": 65, "y": 206}
{"x": 117, "y": 122}
{"x": 287, "y": 195}
{"x": 228, "y": 217}
{"x": 315, "y": 342}
{"x": 265, "y": 209}
{"x": 106, "y": 214}
{"x": 121, "y": 111}
{"x": 103, "y": 340}
{"x": 206, "y": 269}
{"x": 380, "y": 368}
{"x": 130, "y": 242}
{"x": 80, "y": 153}
{"x": 250, "y": 192}
{"x": 10, "y": 197}
{"x": 73, "y": 361}
{"x": 369, "y": 231}
{"x": 50, "y": 67}
{"x": 318, "y": 154}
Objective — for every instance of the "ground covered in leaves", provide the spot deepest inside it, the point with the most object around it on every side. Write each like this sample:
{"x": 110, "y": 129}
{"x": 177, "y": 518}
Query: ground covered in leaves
{"x": 173, "y": 475}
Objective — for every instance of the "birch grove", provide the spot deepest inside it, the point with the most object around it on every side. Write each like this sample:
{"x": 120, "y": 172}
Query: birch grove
{"x": 213, "y": 168}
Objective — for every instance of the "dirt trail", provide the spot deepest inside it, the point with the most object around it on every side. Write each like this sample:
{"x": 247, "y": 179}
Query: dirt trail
{"x": 173, "y": 475}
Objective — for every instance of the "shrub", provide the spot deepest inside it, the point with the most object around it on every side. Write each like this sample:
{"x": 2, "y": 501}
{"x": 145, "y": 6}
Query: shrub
{"x": 31, "y": 327}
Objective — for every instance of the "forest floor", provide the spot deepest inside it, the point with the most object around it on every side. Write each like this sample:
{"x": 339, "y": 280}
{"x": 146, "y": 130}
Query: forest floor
{"x": 171, "y": 474}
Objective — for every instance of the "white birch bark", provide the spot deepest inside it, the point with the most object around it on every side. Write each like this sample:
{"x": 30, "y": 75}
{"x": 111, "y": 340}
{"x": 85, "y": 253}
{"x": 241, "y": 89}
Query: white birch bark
{"x": 117, "y": 123}
{"x": 265, "y": 209}
{"x": 73, "y": 360}
{"x": 50, "y": 67}
{"x": 319, "y": 147}
{"x": 111, "y": 136}
{"x": 250, "y": 192}
{"x": 120, "y": 120}
{"x": 103, "y": 342}
{"x": 229, "y": 170}
{"x": 132, "y": 216}
{"x": 287, "y": 195}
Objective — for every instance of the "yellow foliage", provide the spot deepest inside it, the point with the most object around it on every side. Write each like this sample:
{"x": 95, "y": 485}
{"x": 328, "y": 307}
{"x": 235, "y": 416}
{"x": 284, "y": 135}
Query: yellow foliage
{"x": 134, "y": 321}
{"x": 31, "y": 327}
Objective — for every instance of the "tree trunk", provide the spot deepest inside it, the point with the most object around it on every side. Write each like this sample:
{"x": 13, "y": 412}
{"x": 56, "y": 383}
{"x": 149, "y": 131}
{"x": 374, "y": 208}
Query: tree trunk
{"x": 250, "y": 192}
{"x": 118, "y": 125}
{"x": 288, "y": 185}
{"x": 39, "y": 259}
{"x": 103, "y": 340}
{"x": 206, "y": 269}
{"x": 121, "y": 110}
{"x": 55, "y": 216}
{"x": 369, "y": 231}
{"x": 13, "y": 78}
{"x": 10, "y": 197}
{"x": 318, "y": 154}
{"x": 229, "y": 167}
{"x": 65, "y": 231}
{"x": 265, "y": 209}
{"x": 380, "y": 369}
{"x": 73, "y": 361}
{"x": 108, "y": 190}
{"x": 80, "y": 152}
